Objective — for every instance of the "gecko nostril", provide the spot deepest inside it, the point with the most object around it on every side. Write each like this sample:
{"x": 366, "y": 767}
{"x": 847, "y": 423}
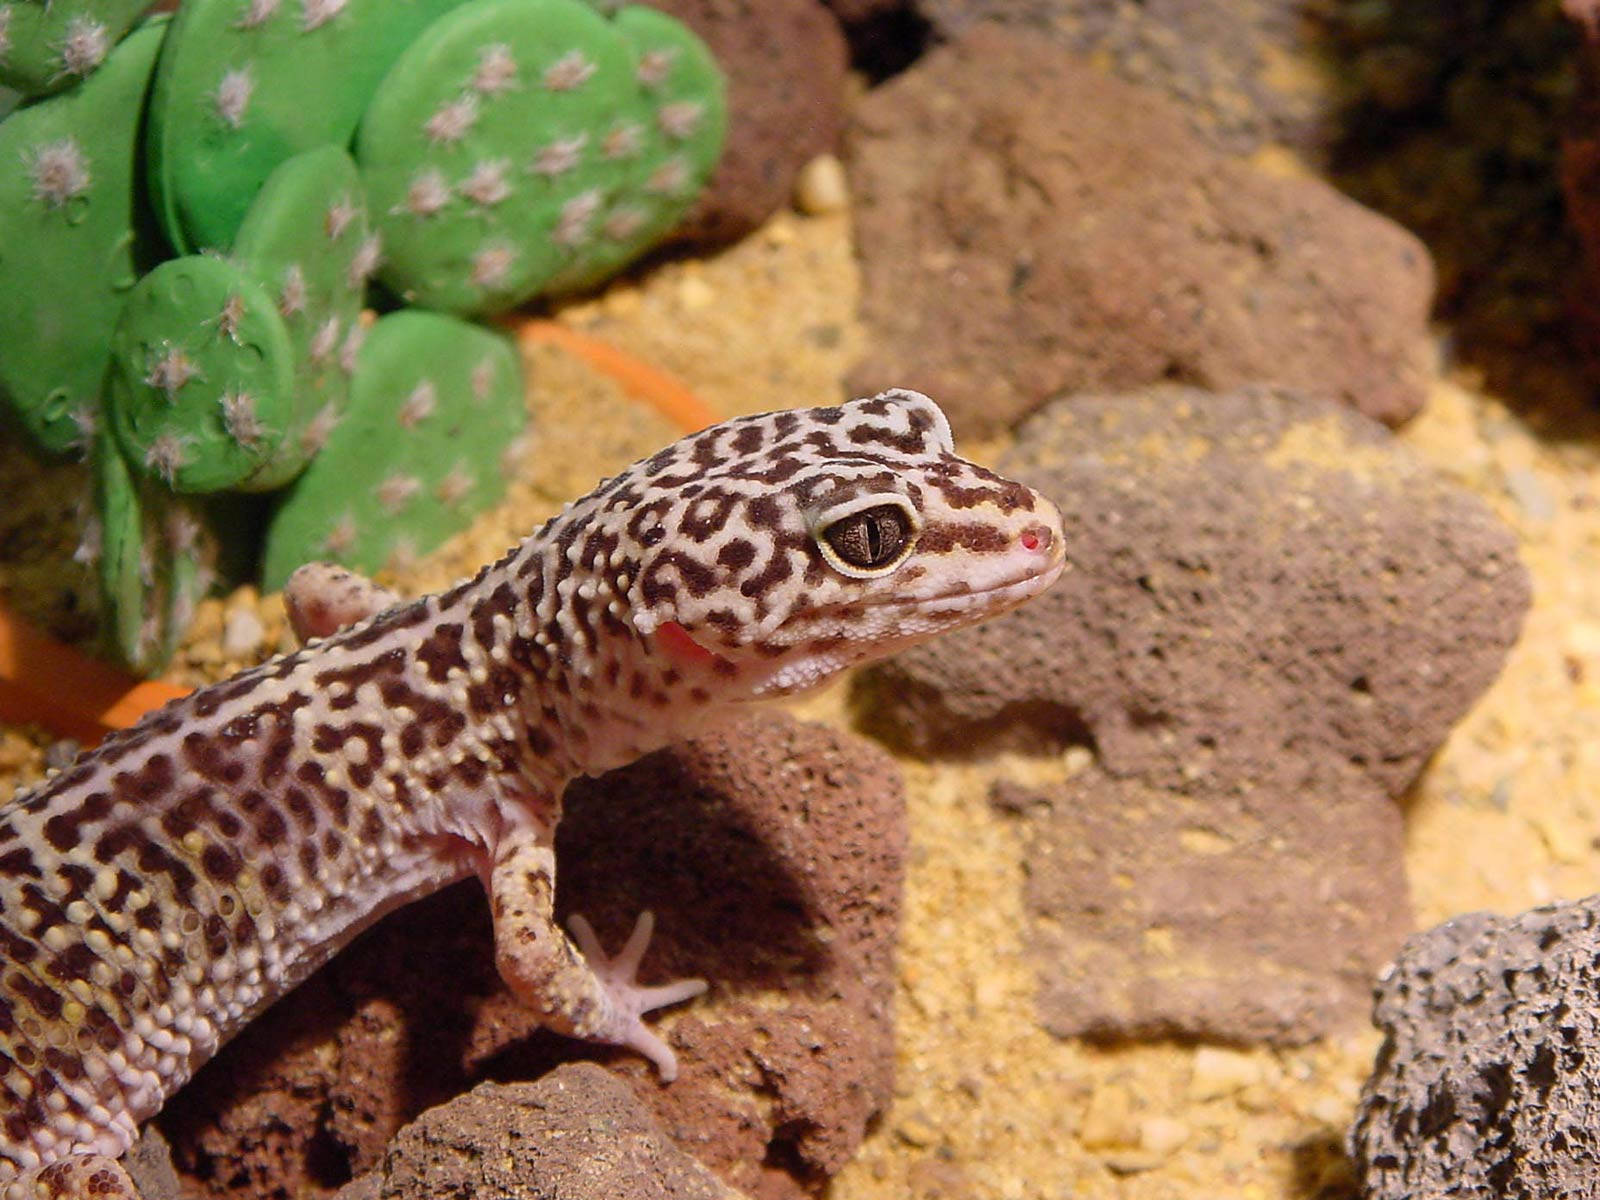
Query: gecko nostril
{"x": 1036, "y": 537}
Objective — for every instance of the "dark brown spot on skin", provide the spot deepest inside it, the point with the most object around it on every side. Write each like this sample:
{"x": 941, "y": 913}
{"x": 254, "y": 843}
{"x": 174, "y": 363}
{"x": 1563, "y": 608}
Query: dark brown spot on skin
{"x": 946, "y": 536}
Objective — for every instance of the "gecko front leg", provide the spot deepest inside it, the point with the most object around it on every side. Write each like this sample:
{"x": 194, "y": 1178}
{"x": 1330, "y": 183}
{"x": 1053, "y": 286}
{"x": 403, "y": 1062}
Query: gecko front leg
{"x": 85, "y": 1177}
{"x": 577, "y": 990}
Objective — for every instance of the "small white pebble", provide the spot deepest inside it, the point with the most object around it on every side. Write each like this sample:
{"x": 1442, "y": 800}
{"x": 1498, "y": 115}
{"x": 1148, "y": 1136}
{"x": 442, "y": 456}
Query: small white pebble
{"x": 821, "y": 187}
{"x": 242, "y": 633}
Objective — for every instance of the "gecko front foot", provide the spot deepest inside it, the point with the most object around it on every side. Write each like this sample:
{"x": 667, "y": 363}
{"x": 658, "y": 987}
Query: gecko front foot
{"x": 630, "y": 1000}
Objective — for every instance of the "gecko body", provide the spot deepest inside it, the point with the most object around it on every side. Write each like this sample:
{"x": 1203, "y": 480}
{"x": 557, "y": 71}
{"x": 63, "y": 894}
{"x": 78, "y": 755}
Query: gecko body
{"x": 163, "y": 889}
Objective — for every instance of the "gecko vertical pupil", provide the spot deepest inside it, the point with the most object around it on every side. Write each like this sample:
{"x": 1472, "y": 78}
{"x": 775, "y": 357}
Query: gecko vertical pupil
{"x": 870, "y": 538}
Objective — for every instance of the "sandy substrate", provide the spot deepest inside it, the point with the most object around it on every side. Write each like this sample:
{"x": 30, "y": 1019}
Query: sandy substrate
{"x": 988, "y": 1105}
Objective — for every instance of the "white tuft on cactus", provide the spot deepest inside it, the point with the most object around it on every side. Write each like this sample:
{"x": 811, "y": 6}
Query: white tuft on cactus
{"x": 320, "y": 428}
{"x": 167, "y": 454}
{"x": 560, "y": 156}
{"x": 571, "y": 70}
{"x": 453, "y": 120}
{"x": 624, "y": 140}
{"x": 85, "y": 46}
{"x": 395, "y": 492}
{"x": 402, "y": 555}
{"x": 454, "y": 487}
{"x": 487, "y": 185}
{"x": 655, "y": 66}
{"x": 365, "y": 261}
{"x": 240, "y": 419}
{"x": 341, "y": 538}
{"x": 91, "y": 544}
{"x": 350, "y": 349}
{"x": 292, "y": 294}
{"x": 622, "y": 224}
{"x": 428, "y": 192}
{"x": 85, "y": 419}
{"x": 316, "y": 13}
{"x": 419, "y": 405}
{"x": 171, "y": 371}
{"x": 60, "y": 171}
{"x": 491, "y": 266}
{"x": 257, "y": 13}
{"x": 482, "y": 380}
{"x": 183, "y": 532}
{"x": 229, "y": 319}
{"x": 339, "y": 217}
{"x": 233, "y": 94}
{"x": 497, "y": 70}
{"x": 324, "y": 341}
{"x": 572, "y": 226}
{"x": 680, "y": 119}
{"x": 669, "y": 179}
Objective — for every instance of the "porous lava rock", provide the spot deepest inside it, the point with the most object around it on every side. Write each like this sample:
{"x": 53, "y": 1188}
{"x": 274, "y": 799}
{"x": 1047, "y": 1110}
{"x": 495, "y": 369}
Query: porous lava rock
{"x": 1246, "y": 73}
{"x": 1488, "y": 1081}
{"x": 579, "y": 1133}
{"x": 772, "y": 854}
{"x": 1271, "y": 616}
{"x": 786, "y": 63}
{"x": 1029, "y": 227}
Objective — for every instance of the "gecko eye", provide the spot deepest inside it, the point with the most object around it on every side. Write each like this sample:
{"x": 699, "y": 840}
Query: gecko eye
{"x": 869, "y": 541}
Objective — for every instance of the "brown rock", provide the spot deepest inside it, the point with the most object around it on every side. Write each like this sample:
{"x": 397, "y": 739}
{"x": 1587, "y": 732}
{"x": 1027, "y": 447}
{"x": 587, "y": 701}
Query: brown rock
{"x": 786, "y": 62}
{"x": 1246, "y": 73}
{"x": 579, "y": 1133}
{"x": 1271, "y": 617}
{"x": 772, "y": 856}
{"x": 1252, "y": 913}
{"x": 1251, "y": 576}
{"x": 1030, "y": 227}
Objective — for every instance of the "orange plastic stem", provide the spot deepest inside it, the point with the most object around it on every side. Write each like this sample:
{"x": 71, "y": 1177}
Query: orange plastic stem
{"x": 47, "y": 683}
{"x": 645, "y": 383}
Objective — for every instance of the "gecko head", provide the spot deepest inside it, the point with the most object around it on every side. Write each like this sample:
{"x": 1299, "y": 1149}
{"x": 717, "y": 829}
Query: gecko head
{"x": 775, "y": 551}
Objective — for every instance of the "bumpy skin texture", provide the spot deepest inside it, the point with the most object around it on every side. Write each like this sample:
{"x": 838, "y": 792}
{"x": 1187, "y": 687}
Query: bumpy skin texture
{"x": 158, "y": 893}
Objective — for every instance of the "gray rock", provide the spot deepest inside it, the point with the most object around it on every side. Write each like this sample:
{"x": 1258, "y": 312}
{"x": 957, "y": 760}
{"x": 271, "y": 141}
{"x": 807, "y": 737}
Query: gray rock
{"x": 1488, "y": 1081}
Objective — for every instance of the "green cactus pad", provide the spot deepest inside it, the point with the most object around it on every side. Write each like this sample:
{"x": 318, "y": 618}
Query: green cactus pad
{"x": 435, "y": 405}
{"x": 245, "y": 84}
{"x": 307, "y": 240}
{"x": 201, "y": 386}
{"x": 680, "y": 135}
{"x": 71, "y": 244}
{"x": 157, "y": 557}
{"x": 45, "y": 47}
{"x": 497, "y": 145}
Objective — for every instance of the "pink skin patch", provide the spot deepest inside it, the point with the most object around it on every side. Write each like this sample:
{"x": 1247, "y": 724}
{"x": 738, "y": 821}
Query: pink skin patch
{"x": 674, "y": 641}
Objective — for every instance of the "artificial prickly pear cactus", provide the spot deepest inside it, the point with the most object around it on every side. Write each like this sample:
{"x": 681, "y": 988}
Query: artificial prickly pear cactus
{"x": 156, "y": 556}
{"x": 525, "y": 141}
{"x": 308, "y": 240}
{"x": 435, "y": 406}
{"x": 245, "y": 84}
{"x": 228, "y": 373}
{"x": 201, "y": 387}
{"x": 675, "y": 135}
{"x": 71, "y": 244}
{"x": 47, "y": 45}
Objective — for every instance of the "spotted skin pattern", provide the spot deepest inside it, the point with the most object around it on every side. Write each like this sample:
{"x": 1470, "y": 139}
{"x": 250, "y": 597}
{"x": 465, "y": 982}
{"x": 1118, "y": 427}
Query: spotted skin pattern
{"x": 162, "y": 890}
